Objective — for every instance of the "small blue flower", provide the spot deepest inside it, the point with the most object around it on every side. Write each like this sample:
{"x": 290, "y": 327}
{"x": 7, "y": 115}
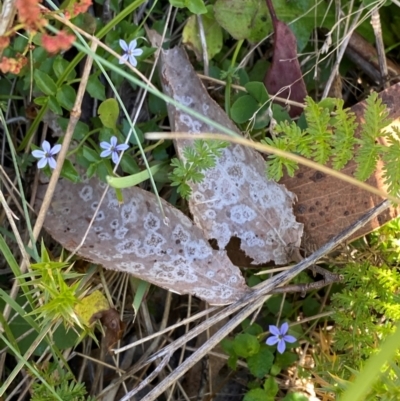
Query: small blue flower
{"x": 130, "y": 52}
{"x": 112, "y": 149}
{"x": 280, "y": 337}
{"x": 46, "y": 155}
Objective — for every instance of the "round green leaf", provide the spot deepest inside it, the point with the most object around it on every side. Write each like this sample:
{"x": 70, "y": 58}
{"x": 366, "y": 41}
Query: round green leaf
{"x": 244, "y": 19}
{"x": 243, "y": 109}
{"x": 260, "y": 364}
{"x": 44, "y": 82}
{"x": 108, "y": 113}
{"x": 262, "y": 118}
{"x": 258, "y": 91}
{"x": 245, "y": 345}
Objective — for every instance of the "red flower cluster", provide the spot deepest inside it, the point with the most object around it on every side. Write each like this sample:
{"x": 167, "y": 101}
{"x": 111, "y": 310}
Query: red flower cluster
{"x": 29, "y": 14}
{"x": 13, "y": 65}
{"x": 81, "y": 6}
{"x": 61, "y": 41}
{"x": 4, "y": 42}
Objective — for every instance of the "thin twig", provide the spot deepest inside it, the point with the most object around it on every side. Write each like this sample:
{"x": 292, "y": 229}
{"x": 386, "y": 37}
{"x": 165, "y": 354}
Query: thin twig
{"x": 380, "y": 47}
{"x": 340, "y": 55}
{"x": 270, "y": 149}
{"x": 73, "y": 121}
{"x": 203, "y": 42}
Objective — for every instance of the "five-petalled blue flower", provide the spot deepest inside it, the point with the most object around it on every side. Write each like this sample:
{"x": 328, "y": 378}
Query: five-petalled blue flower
{"x": 130, "y": 52}
{"x": 280, "y": 337}
{"x": 112, "y": 149}
{"x": 46, "y": 155}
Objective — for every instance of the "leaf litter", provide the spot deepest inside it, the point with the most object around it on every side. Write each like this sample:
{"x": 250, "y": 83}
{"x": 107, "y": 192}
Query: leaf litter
{"x": 235, "y": 199}
{"x": 133, "y": 238}
{"x": 284, "y": 78}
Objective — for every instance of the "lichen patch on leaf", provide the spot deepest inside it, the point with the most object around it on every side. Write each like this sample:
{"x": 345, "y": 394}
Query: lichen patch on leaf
{"x": 134, "y": 239}
{"x": 235, "y": 199}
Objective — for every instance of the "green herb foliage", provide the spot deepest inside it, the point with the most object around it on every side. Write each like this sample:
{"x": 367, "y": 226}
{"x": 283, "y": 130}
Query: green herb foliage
{"x": 62, "y": 383}
{"x": 330, "y": 137}
{"x": 197, "y": 159}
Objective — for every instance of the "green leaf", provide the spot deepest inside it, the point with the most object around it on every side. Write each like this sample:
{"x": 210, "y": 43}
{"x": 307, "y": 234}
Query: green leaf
{"x": 258, "y": 91}
{"x": 232, "y": 362}
{"x": 41, "y": 100}
{"x": 227, "y": 346}
{"x": 271, "y": 388}
{"x": 287, "y": 358}
{"x": 135, "y": 179}
{"x": 140, "y": 288}
{"x": 90, "y": 154}
{"x": 59, "y": 67}
{"x": 260, "y": 363}
{"x": 54, "y": 106}
{"x": 133, "y": 139}
{"x": 108, "y": 113}
{"x": 256, "y": 394}
{"x": 95, "y": 88}
{"x": 195, "y": 6}
{"x": 66, "y": 97}
{"x": 311, "y": 306}
{"x": 253, "y": 329}
{"x": 244, "y": 19}
{"x": 245, "y": 345}
{"x": 243, "y": 109}
{"x": 68, "y": 171}
{"x": 274, "y": 305}
{"x": 81, "y": 129}
{"x": 295, "y": 397}
{"x": 129, "y": 165}
{"x": 157, "y": 106}
{"x": 45, "y": 83}
{"x": 91, "y": 171}
{"x": 213, "y": 35}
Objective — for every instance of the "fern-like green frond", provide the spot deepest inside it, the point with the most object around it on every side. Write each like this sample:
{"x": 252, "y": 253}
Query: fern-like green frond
{"x": 198, "y": 158}
{"x": 297, "y": 140}
{"x": 318, "y": 120}
{"x": 391, "y": 158}
{"x": 366, "y": 158}
{"x": 275, "y": 164}
{"x": 344, "y": 124}
{"x": 376, "y": 117}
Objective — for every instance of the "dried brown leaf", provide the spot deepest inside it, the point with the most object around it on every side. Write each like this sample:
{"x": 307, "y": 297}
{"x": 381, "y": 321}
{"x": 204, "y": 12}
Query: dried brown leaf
{"x": 133, "y": 238}
{"x": 114, "y": 327}
{"x": 284, "y": 78}
{"x": 235, "y": 199}
{"x": 327, "y": 205}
